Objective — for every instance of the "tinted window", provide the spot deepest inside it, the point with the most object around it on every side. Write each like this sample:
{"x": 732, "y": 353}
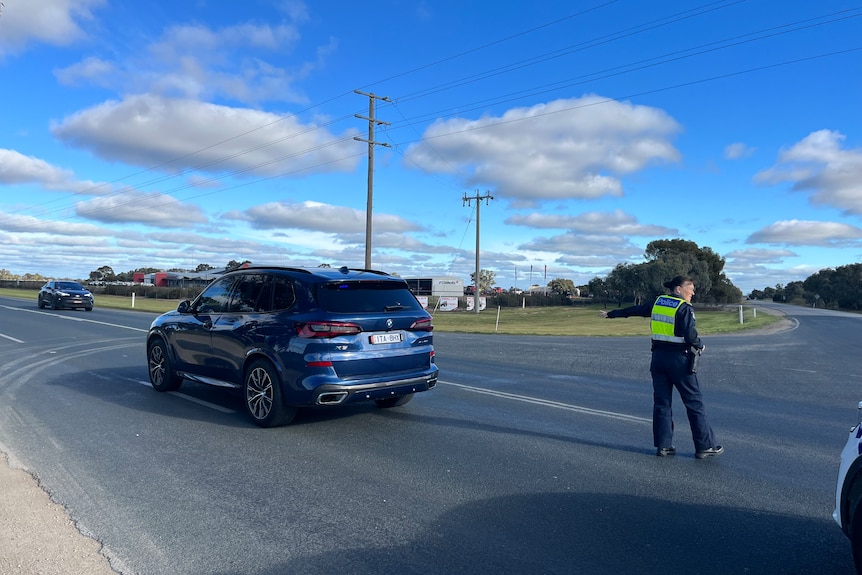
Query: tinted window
{"x": 69, "y": 285}
{"x": 278, "y": 294}
{"x": 258, "y": 293}
{"x": 215, "y": 299}
{"x": 247, "y": 293}
{"x": 366, "y": 296}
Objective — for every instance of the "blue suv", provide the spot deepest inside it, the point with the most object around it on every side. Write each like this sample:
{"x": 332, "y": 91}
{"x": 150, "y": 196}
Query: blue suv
{"x": 293, "y": 337}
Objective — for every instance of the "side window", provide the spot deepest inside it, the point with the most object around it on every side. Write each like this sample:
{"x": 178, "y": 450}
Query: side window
{"x": 214, "y": 299}
{"x": 247, "y": 294}
{"x": 277, "y": 294}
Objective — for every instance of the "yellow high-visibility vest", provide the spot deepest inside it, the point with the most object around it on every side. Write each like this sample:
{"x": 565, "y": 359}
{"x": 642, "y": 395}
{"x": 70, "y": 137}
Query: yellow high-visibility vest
{"x": 663, "y": 319}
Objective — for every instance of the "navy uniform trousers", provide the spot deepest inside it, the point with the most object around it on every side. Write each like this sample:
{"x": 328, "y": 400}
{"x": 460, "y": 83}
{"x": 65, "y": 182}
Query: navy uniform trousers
{"x": 669, "y": 369}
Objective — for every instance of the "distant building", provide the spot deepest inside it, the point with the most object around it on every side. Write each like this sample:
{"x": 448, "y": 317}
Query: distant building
{"x": 536, "y": 289}
{"x": 439, "y": 286}
{"x": 177, "y": 279}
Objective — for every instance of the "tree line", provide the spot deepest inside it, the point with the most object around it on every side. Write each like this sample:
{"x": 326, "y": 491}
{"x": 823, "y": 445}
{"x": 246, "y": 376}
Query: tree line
{"x": 840, "y": 287}
{"x": 665, "y": 259}
{"x": 106, "y": 274}
{"x": 836, "y": 288}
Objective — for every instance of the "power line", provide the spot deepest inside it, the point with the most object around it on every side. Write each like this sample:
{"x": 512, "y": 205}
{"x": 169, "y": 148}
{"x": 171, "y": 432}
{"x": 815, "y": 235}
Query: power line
{"x": 535, "y": 91}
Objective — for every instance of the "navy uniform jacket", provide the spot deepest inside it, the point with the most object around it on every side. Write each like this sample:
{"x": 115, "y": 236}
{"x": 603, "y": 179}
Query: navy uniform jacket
{"x": 683, "y": 324}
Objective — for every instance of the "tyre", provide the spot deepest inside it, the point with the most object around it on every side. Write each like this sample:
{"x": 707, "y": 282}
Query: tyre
{"x": 40, "y": 303}
{"x": 263, "y": 399}
{"x": 855, "y": 533}
{"x": 162, "y": 375}
{"x": 394, "y": 401}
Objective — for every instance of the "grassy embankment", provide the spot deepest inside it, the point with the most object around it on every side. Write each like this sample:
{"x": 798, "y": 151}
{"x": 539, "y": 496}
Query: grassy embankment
{"x": 516, "y": 321}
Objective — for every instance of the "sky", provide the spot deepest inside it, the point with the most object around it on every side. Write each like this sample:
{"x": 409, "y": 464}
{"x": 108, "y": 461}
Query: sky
{"x": 172, "y": 133}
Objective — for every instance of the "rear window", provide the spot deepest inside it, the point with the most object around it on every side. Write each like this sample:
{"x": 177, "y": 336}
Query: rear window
{"x": 366, "y": 297}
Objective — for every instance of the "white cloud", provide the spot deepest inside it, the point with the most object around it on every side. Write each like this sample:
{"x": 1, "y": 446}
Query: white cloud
{"x": 153, "y": 209}
{"x": 402, "y": 242}
{"x": 737, "y": 151}
{"x": 90, "y": 70}
{"x": 819, "y": 165}
{"x": 581, "y": 245}
{"x": 807, "y": 233}
{"x": 321, "y": 217}
{"x": 759, "y": 256}
{"x": 174, "y": 135}
{"x": 16, "y": 168}
{"x": 199, "y": 62}
{"x": 615, "y": 223}
{"x": 194, "y": 61}
{"x": 55, "y": 22}
{"x": 573, "y": 148}
{"x": 30, "y": 225}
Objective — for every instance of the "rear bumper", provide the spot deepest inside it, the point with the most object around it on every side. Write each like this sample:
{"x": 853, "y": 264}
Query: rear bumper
{"x": 340, "y": 394}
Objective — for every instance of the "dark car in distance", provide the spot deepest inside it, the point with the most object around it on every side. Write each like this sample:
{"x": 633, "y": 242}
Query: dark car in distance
{"x": 287, "y": 338}
{"x": 65, "y": 294}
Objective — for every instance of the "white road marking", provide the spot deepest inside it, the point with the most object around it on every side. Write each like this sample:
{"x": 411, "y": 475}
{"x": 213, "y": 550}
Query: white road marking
{"x": 10, "y": 338}
{"x": 73, "y": 318}
{"x": 548, "y": 403}
{"x": 193, "y": 399}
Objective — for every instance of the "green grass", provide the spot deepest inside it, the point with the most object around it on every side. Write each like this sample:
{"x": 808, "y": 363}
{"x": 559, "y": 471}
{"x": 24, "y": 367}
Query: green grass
{"x": 109, "y": 301}
{"x": 584, "y": 321}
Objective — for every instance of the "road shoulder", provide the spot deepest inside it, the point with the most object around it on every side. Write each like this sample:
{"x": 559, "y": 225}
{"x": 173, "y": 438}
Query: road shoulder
{"x": 37, "y": 536}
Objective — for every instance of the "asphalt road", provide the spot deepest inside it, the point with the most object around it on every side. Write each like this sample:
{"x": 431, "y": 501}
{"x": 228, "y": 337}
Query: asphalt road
{"x": 533, "y": 455}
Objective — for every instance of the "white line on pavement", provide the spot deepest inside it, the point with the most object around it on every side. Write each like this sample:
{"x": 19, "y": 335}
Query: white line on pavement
{"x": 548, "y": 403}
{"x": 193, "y": 399}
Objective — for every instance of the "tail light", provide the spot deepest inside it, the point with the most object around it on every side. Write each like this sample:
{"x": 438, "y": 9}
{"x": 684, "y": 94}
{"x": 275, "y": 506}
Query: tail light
{"x": 325, "y": 329}
{"x": 422, "y": 325}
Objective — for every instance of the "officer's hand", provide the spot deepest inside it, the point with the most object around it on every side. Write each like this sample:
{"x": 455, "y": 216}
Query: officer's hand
{"x": 603, "y": 313}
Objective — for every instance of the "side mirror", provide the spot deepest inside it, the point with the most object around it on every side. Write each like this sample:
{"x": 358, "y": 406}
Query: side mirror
{"x": 185, "y": 306}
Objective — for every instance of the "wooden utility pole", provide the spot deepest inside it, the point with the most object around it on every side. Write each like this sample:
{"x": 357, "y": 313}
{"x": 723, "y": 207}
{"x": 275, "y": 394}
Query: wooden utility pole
{"x": 372, "y": 123}
{"x": 466, "y": 202}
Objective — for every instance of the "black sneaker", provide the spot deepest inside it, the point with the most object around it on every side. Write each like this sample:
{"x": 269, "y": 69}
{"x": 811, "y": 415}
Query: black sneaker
{"x": 711, "y": 452}
{"x": 665, "y": 451}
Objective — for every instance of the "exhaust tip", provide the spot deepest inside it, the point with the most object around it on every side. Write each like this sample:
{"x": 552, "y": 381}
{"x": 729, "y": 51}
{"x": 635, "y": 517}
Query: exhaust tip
{"x": 331, "y": 398}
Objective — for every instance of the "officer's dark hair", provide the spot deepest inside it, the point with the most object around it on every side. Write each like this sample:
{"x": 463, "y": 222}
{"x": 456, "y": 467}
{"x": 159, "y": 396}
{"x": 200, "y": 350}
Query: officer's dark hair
{"x": 677, "y": 281}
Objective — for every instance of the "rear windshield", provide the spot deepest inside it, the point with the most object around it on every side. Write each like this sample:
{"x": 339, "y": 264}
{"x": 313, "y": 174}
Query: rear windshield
{"x": 366, "y": 297}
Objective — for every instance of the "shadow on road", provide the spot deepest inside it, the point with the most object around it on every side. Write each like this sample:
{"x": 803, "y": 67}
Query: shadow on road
{"x": 593, "y": 534}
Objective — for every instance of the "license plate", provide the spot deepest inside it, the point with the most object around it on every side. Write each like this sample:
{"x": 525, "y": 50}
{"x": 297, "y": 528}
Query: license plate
{"x": 386, "y": 338}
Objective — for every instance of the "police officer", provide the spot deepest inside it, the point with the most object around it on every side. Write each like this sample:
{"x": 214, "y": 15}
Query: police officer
{"x": 675, "y": 348}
